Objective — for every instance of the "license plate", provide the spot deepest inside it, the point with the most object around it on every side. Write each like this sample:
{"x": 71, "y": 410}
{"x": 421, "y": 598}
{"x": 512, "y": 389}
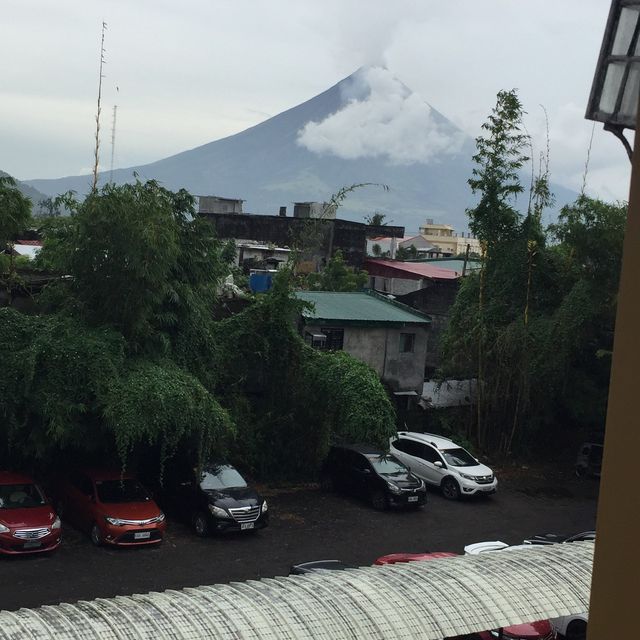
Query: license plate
{"x": 142, "y": 535}
{"x": 413, "y": 498}
{"x": 32, "y": 545}
{"x": 246, "y": 525}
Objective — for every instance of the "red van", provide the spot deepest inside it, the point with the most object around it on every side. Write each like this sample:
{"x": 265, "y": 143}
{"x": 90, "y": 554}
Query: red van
{"x": 28, "y": 523}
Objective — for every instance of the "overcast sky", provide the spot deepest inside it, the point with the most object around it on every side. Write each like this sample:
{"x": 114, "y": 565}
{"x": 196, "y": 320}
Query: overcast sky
{"x": 193, "y": 71}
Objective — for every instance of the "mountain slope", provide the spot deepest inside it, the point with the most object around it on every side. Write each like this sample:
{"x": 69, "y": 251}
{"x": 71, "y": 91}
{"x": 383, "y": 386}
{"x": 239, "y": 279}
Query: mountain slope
{"x": 367, "y": 128}
{"x": 33, "y": 194}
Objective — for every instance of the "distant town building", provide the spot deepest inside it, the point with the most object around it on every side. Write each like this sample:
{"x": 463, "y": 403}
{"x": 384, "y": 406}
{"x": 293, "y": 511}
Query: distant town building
{"x": 215, "y": 204}
{"x": 444, "y": 238}
{"x": 314, "y": 210}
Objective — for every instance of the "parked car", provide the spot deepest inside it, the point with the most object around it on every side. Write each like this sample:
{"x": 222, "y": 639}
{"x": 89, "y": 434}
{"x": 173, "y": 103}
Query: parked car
{"x": 28, "y": 522}
{"x": 572, "y": 627}
{"x": 217, "y": 500}
{"x": 589, "y": 459}
{"x": 442, "y": 463}
{"x": 112, "y": 507}
{"x": 554, "y": 538}
{"x": 367, "y": 472}
{"x": 541, "y": 630}
{"x": 318, "y": 565}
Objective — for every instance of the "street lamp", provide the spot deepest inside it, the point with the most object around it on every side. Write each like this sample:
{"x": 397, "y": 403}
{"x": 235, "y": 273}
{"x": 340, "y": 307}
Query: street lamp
{"x": 616, "y": 84}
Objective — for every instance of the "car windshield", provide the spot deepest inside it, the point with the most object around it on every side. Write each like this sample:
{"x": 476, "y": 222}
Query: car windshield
{"x": 459, "y": 458}
{"x": 388, "y": 466}
{"x": 125, "y": 490}
{"x": 20, "y": 496}
{"x": 222, "y": 476}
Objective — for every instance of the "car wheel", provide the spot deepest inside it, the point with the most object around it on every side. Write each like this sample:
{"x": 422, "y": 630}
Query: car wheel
{"x": 379, "y": 501}
{"x": 450, "y": 489}
{"x": 96, "y": 535}
{"x": 326, "y": 483}
{"x": 201, "y": 524}
{"x": 577, "y": 630}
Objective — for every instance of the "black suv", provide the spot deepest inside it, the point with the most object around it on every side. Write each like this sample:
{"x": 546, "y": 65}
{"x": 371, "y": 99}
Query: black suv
{"x": 371, "y": 474}
{"x": 218, "y": 501}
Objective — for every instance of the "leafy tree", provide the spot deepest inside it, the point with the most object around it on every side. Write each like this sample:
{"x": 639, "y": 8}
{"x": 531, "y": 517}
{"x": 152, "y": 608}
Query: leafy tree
{"x": 15, "y": 210}
{"x": 337, "y": 276}
{"x": 375, "y": 219}
{"x": 407, "y": 253}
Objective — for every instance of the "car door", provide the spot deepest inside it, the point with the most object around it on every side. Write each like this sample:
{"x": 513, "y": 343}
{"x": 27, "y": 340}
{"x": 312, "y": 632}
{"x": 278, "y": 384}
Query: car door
{"x": 427, "y": 457}
{"x": 78, "y": 500}
{"x": 361, "y": 473}
{"x": 408, "y": 451}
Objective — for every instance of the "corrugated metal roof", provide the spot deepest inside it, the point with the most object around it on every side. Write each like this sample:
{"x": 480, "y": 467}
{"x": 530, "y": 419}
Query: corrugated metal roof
{"x": 422, "y": 269}
{"x": 417, "y": 600}
{"x": 358, "y": 308}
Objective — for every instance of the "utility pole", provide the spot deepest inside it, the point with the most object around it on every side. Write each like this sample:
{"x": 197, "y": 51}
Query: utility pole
{"x": 94, "y": 186}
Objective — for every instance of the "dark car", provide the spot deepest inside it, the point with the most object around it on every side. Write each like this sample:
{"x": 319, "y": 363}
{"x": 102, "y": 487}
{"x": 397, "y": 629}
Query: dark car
{"x": 218, "y": 500}
{"x": 373, "y": 475}
{"x": 28, "y": 523}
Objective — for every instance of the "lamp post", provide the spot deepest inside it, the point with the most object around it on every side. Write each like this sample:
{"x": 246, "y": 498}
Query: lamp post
{"x": 614, "y": 101}
{"x": 614, "y": 93}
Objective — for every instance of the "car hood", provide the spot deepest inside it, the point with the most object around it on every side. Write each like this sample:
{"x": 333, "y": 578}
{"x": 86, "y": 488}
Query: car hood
{"x": 234, "y": 497}
{"x": 30, "y": 517}
{"x": 405, "y": 481}
{"x": 475, "y": 470}
{"x": 530, "y": 631}
{"x": 130, "y": 510}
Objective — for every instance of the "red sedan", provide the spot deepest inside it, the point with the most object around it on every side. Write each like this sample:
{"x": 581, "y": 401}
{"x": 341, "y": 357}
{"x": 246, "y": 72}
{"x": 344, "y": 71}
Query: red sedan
{"x": 28, "y": 523}
{"x": 114, "y": 508}
{"x": 540, "y": 630}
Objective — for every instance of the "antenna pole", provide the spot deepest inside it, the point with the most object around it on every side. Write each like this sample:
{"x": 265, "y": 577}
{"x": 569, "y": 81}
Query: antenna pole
{"x": 97, "y": 147}
{"x": 113, "y": 141}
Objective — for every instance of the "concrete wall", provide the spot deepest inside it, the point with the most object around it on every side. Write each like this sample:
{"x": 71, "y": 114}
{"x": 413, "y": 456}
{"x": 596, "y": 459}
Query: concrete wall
{"x": 395, "y": 286}
{"x": 379, "y": 347}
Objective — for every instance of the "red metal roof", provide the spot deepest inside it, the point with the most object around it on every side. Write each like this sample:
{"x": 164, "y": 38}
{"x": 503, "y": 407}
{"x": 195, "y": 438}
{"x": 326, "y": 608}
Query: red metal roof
{"x": 31, "y": 243}
{"x": 421, "y": 269}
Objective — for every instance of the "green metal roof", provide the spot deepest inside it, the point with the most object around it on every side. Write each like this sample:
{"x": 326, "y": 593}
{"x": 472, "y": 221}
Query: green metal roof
{"x": 358, "y": 308}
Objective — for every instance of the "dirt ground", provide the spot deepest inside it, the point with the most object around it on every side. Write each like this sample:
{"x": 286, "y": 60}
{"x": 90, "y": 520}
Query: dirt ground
{"x": 305, "y": 525}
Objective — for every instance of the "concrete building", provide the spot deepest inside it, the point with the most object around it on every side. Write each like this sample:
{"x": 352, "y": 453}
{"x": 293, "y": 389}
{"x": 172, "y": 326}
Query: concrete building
{"x": 399, "y": 278}
{"x": 444, "y": 238}
{"x": 314, "y": 210}
{"x": 390, "y": 337}
{"x": 215, "y": 204}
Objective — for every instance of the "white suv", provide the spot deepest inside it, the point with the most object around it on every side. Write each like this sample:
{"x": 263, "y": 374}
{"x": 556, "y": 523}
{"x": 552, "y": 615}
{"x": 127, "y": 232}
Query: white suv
{"x": 442, "y": 463}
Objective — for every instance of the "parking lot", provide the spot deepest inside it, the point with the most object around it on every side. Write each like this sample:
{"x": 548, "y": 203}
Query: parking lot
{"x": 306, "y": 524}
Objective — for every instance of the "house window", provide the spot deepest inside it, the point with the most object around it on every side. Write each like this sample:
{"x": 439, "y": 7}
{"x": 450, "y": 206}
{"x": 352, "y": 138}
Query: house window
{"x": 407, "y": 341}
{"x": 335, "y": 339}
{"x": 326, "y": 340}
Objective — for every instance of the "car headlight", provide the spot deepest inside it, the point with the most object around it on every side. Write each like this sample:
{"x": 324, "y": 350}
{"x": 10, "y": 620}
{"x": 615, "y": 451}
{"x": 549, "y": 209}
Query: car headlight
{"x": 217, "y": 511}
{"x": 467, "y": 477}
{"x": 116, "y": 522}
{"x": 394, "y": 488}
{"x": 159, "y": 518}
{"x": 4, "y": 528}
{"x": 265, "y": 507}
{"x": 56, "y": 523}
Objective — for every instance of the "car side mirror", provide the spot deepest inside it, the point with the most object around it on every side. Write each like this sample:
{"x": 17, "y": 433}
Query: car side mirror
{"x": 438, "y": 464}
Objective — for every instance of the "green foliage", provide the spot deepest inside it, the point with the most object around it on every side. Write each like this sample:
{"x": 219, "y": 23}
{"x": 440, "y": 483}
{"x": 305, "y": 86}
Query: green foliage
{"x": 375, "y": 219}
{"x": 15, "y": 210}
{"x": 531, "y": 324}
{"x": 127, "y": 358}
{"x": 407, "y": 253}
{"x": 498, "y": 159}
{"x": 337, "y": 276}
